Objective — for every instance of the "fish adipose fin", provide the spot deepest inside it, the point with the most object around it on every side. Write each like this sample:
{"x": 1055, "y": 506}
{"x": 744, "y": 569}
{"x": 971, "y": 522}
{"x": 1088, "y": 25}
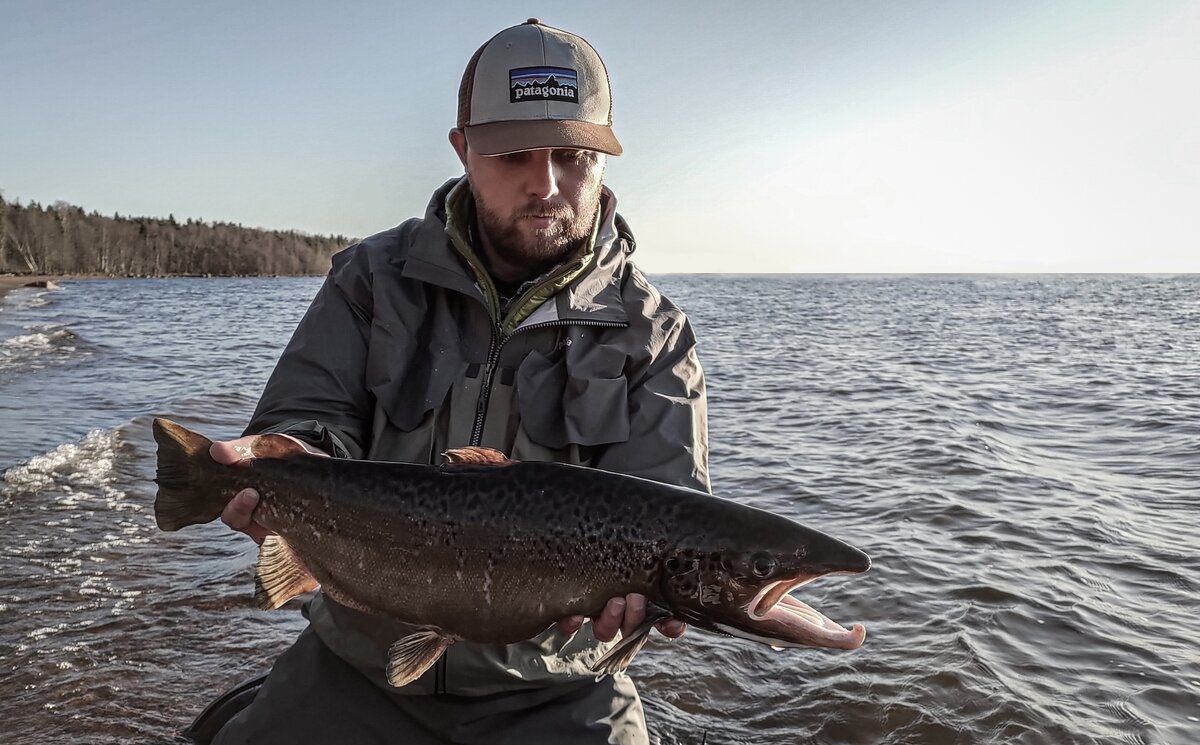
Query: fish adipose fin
{"x": 411, "y": 656}
{"x": 184, "y": 468}
{"x": 476, "y": 457}
{"x": 280, "y": 575}
{"x": 619, "y": 657}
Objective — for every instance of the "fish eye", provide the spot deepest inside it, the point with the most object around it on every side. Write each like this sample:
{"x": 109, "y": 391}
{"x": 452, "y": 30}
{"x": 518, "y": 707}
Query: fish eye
{"x": 762, "y": 566}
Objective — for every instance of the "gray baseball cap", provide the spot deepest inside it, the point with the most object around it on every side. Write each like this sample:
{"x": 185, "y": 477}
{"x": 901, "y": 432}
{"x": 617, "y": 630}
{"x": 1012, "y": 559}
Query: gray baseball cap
{"x": 532, "y": 87}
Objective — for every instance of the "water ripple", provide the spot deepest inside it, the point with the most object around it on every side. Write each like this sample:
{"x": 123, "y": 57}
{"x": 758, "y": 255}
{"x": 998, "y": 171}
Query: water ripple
{"x": 1017, "y": 454}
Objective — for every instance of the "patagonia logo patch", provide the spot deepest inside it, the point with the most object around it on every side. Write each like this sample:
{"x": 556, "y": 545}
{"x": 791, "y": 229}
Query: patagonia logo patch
{"x": 543, "y": 84}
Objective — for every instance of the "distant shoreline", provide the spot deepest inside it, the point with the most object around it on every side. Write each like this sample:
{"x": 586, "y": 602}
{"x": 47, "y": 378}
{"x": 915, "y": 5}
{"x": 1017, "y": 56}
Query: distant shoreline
{"x": 14, "y": 281}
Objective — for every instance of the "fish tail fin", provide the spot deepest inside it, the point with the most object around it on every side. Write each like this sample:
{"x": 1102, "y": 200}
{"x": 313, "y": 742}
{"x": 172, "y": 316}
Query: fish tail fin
{"x": 185, "y": 486}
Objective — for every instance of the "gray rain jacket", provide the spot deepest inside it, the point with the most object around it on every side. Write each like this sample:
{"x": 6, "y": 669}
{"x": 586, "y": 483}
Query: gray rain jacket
{"x": 406, "y": 352}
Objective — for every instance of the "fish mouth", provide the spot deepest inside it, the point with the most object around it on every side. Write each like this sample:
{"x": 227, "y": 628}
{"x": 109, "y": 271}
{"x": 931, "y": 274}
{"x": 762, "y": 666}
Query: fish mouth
{"x": 791, "y": 623}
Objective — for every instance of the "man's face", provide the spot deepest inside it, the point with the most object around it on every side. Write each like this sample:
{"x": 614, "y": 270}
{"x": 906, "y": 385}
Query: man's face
{"x": 538, "y": 206}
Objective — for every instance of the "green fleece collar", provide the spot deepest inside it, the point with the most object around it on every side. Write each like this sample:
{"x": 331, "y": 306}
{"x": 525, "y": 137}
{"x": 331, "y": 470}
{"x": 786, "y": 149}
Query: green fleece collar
{"x": 460, "y": 214}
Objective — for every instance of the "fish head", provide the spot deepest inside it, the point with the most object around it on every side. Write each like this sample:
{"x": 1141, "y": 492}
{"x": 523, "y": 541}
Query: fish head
{"x": 738, "y": 581}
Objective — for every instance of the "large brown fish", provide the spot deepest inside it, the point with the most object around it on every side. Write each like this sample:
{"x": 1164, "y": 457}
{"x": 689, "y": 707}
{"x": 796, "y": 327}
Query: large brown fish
{"x": 493, "y": 550}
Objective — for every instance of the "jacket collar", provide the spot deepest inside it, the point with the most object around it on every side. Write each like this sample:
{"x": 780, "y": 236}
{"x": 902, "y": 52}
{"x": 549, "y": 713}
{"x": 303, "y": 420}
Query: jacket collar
{"x": 430, "y": 257}
{"x": 594, "y": 295}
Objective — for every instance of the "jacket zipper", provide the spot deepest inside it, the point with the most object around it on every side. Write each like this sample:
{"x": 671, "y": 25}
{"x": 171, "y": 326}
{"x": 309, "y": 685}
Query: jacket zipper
{"x": 499, "y": 339}
{"x": 485, "y": 393}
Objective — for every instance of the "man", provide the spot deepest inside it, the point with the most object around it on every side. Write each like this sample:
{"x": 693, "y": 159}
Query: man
{"x": 508, "y": 317}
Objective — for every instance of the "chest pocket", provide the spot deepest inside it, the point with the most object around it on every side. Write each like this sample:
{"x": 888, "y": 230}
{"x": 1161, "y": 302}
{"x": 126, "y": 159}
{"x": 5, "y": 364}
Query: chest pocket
{"x": 574, "y": 399}
{"x": 409, "y": 379}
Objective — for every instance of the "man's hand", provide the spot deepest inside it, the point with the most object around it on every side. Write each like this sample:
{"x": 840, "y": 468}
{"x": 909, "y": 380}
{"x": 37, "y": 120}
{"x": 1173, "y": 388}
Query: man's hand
{"x": 624, "y": 615}
{"x": 239, "y": 513}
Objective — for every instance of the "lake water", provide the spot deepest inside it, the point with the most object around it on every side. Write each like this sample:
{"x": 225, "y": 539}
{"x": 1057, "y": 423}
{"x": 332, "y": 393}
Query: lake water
{"x": 1019, "y": 455}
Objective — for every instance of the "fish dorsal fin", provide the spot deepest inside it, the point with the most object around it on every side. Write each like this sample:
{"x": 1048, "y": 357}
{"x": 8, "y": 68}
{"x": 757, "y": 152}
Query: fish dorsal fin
{"x": 619, "y": 657}
{"x": 411, "y": 656}
{"x": 276, "y": 446}
{"x": 474, "y": 456}
{"x": 280, "y": 575}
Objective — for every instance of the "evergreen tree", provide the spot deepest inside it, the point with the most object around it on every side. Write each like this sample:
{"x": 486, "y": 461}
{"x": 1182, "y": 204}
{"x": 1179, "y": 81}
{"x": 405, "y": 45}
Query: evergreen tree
{"x": 64, "y": 239}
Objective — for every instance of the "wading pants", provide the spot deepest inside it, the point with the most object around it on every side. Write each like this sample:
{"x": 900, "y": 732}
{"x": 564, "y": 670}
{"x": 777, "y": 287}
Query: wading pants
{"x": 313, "y": 696}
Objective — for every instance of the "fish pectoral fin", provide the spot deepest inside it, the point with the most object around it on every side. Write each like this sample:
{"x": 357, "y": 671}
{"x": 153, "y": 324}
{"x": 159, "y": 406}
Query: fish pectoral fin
{"x": 474, "y": 456}
{"x": 280, "y": 575}
{"x": 411, "y": 656}
{"x": 618, "y": 658}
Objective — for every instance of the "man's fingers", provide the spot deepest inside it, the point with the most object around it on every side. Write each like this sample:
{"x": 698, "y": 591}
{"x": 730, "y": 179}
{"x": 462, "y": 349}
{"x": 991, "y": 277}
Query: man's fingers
{"x": 608, "y": 623}
{"x": 624, "y": 615}
{"x": 672, "y": 628}
{"x": 228, "y": 452}
{"x": 635, "y": 613}
{"x": 239, "y": 515}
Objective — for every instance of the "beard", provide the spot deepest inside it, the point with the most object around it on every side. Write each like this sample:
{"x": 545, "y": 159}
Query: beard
{"x": 540, "y": 249}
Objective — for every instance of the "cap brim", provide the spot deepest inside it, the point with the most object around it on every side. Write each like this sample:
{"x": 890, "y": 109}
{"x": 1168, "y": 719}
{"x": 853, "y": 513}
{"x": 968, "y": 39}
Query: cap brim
{"x": 500, "y": 138}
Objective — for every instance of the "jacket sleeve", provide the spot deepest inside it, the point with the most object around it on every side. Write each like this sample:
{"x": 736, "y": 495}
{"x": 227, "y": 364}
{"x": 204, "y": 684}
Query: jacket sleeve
{"x": 317, "y": 390}
{"x": 668, "y": 418}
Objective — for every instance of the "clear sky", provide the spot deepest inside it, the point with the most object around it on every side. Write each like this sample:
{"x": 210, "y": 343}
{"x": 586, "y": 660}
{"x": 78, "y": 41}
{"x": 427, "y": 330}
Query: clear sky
{"x": 834, "y": 136}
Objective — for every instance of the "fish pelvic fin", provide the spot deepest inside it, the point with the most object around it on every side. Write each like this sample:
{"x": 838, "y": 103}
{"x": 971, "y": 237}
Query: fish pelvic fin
{"x": 474, "y": 456}
{"x": 618, "y": 658}
{"x": 280, "y": 575}
{"x": 412, "y": 655}
{"x": 185, "y": 471}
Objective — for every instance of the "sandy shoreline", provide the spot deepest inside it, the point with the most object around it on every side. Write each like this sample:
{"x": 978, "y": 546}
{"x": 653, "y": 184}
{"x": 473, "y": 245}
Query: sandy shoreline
{"x": 11, "y": 282}
{"x": 14, "y": 281}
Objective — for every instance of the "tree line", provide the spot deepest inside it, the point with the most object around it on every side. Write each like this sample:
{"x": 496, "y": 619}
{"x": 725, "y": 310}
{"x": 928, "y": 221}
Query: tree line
{"x": 63, "y": 239}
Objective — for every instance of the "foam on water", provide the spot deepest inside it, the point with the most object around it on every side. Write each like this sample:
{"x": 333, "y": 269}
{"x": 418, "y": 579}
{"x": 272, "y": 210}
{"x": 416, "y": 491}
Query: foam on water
{"x": 31, "y": 348}
{"x": 85, "y": 467}
{"x": 23, "y": 298}
{"x": 40, "y": 340}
